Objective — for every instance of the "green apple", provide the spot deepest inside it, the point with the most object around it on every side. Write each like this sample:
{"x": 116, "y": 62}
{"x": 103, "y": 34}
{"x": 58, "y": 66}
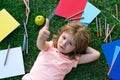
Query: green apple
{"x": 39, "y": 20}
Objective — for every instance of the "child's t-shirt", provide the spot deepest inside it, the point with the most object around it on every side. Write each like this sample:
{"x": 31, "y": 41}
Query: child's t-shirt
{"x": 51, "y": 65}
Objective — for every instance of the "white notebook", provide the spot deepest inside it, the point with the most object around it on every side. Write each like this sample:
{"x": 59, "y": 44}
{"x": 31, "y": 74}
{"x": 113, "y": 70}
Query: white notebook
{"x": 14, "y": 65}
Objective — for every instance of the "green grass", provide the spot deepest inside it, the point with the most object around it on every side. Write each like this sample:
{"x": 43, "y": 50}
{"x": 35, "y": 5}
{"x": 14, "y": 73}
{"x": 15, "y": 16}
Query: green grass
{"x": 93, "y": 71}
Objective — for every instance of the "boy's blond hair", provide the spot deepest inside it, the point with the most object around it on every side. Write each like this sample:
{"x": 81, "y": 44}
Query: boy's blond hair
{"x": 81, "y": 37}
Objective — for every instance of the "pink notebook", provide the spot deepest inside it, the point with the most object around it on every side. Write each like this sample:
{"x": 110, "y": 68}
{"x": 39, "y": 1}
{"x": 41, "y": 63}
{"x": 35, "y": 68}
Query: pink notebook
{"x": 67, "y": 8}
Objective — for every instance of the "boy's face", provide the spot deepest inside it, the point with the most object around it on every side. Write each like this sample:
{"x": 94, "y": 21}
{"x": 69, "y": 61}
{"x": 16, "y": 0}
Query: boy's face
{"x": 66, "y": 43}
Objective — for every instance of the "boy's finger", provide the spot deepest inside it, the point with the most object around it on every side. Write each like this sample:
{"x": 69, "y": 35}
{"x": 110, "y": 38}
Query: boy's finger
{"x": 47, "y": 23}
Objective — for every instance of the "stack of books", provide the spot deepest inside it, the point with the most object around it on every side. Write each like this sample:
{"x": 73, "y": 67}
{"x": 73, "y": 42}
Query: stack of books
{"x": 112, "y": 54}
{"x": 82, "y": 10}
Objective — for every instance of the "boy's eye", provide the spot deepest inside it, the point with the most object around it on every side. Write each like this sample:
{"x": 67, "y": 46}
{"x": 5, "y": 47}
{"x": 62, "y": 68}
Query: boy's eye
{"x": 64, "y": 37}
{"x": 70, "y": 43}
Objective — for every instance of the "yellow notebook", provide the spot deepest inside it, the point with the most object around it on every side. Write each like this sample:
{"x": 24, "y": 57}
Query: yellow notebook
{"x": 7, "y": 24}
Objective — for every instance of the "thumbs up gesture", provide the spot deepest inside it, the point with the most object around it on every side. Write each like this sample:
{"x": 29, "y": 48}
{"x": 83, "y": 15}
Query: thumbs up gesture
{"x": 44, "y": 33}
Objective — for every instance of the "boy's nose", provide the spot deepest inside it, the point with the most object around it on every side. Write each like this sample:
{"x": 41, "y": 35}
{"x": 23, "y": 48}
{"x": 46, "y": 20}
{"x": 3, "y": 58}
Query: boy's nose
{"x": 64, "y": 42}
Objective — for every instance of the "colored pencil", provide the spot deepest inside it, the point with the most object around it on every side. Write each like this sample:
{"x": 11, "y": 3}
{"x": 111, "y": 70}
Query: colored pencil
{"x": 100, "y": 27}
{"x": 74, "y": 14}
{"x": 116, "y": 18}
{"x": 109, "y": 33}
{"x": 26, "y": 5}
{"x": 110, "y": 37}
{"x": 27, "y": 10}
{"x": 105, "y": 25}
{"x": 116, "y": 8}
{"x": 72, "y": 19}
{"x": 97, "y": 27}
{"x": 51, "y": 14}
{"x": 7, "y": 55}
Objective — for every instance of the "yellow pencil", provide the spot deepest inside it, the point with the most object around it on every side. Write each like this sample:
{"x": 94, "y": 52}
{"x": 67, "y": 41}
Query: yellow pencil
{"x": 7, "y": 54}
{"x": 116, "y": 8}
{"x": 109, "y": 33}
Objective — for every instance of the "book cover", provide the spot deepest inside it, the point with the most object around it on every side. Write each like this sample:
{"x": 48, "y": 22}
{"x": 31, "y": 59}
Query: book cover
{"x": 89, "y": 14}
{"x": 114, "y": 72}
{"x": 67, "y": 8}
{"x": 7, "y": 24}
{"x": 108, "y": 50}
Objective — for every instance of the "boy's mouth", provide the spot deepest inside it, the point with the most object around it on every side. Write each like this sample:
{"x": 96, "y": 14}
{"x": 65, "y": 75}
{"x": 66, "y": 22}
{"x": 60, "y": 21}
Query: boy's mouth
{"x": 61, "y": 47}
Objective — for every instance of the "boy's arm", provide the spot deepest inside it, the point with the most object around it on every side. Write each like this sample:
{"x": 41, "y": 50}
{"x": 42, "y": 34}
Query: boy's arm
{"x": 43, "y": 35}
{"x": 91, "y": 55}
{"x": 42, "y": 45}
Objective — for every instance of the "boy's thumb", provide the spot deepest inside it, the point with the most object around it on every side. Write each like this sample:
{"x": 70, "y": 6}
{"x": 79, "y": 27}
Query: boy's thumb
{"x": 47, "y": 23}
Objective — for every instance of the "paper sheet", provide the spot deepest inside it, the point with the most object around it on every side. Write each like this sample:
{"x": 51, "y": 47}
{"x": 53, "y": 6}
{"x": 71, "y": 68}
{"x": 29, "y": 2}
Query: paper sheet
{"x": 14, "y": 65}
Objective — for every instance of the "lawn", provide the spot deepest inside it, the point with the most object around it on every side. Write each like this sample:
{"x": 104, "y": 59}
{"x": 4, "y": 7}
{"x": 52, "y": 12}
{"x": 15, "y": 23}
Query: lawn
{"x": 93, "y": 71}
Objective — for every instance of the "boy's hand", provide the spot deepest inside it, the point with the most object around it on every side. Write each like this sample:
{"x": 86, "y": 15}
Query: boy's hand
{"x": 44, "y": 32}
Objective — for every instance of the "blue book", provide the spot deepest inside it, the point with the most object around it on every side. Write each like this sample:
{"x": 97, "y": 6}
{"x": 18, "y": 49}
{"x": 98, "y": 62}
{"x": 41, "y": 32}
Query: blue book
{"x": 90, "y": 12}
{"x": 117, "y": 49}
{"x": 108, "y": 50}
{"x": 114, "y": 72}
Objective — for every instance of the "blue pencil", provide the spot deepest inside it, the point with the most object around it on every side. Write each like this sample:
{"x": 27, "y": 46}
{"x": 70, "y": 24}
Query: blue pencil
{"x": 25, "y": 41}
{"x": 97, "y": 26}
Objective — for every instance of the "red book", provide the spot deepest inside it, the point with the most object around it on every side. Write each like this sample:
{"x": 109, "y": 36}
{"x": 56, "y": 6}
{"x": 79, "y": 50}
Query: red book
{"x": 67, "y": 8}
